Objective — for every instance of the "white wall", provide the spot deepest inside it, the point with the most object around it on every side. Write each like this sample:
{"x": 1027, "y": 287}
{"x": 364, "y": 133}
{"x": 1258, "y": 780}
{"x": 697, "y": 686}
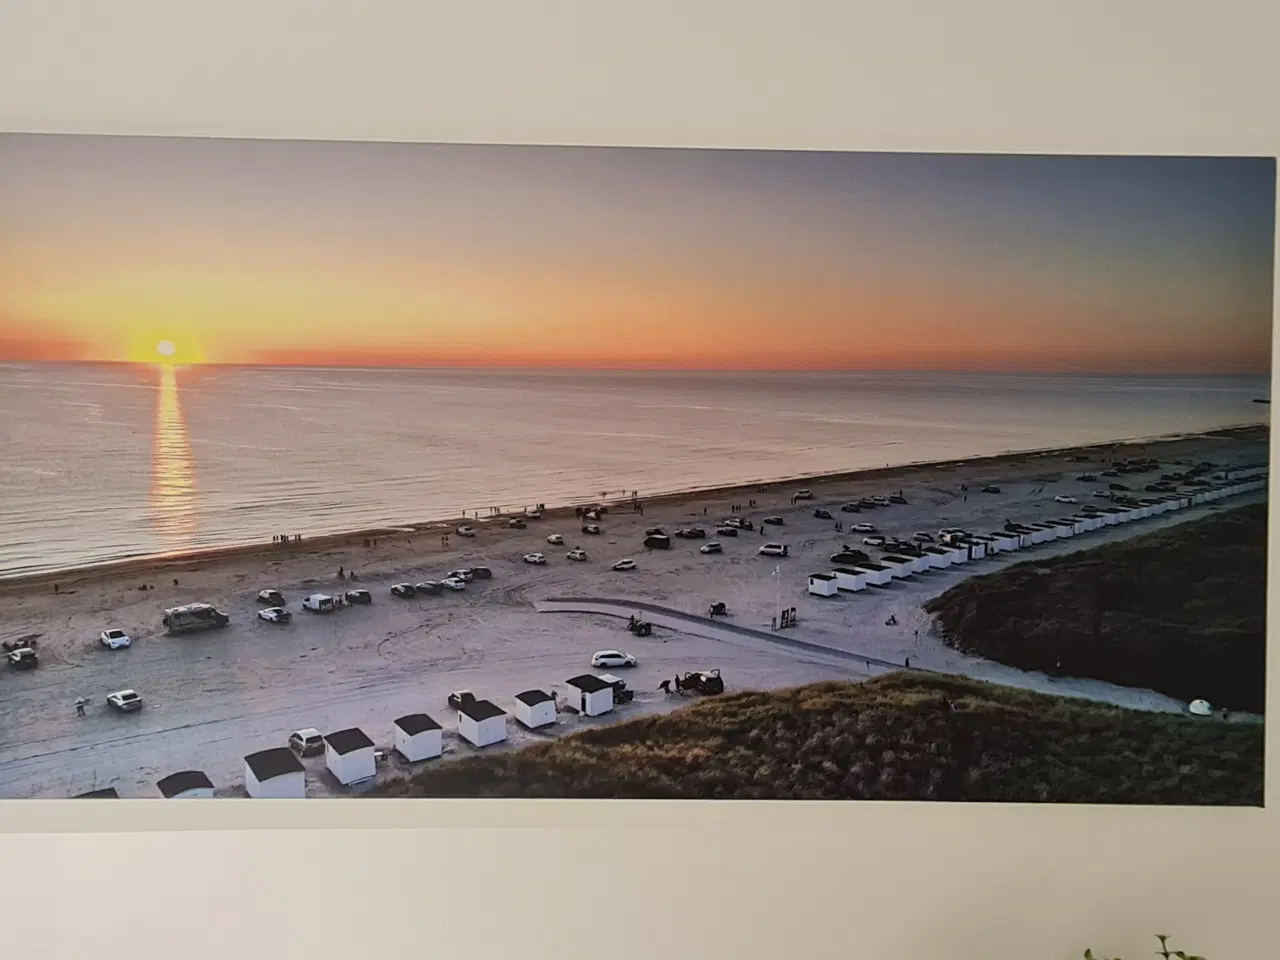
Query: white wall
{"x": 597, "y": 703}
{"x": 822, "y": 587}
{"x": 350, "y": 767}
{"x": 493, "y": 730}
{"x": 290, "y": 786}
{"x": 422, "y": 746}
{"x": 539, "y": 715}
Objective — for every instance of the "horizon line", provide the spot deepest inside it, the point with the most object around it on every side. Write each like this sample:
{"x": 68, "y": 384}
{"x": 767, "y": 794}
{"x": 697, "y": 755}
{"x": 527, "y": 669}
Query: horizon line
{"x": 725, "y": 369}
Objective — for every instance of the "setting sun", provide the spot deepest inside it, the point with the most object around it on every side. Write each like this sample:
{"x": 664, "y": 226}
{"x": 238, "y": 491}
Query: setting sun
{"x": 165, "y": 348}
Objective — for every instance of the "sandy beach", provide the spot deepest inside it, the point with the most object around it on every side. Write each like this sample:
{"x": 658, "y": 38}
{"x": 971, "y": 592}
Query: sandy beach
{"x": 212, "y": 698}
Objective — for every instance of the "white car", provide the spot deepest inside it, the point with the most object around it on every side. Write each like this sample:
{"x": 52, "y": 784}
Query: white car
{"x": 306, "y": 743}
{"x": 466, "y": 530}
{"x": 535, "y": 558}
{"x": 804, "y": 494}
{"x": 1102, "y": 494}
{"x": 126, "y": 701}
{"x": 625, "y": 565}
{"x": 465, "y": 575}
{"x": 275, "y": 615}
{"x": 863, "y": 528}
{"x": 612, "y": 658}
{"x": 454, "y": 583}
{"x": 773, "y": 550}
{"x": 1063, "y": 498}
{"x": 114, "y": 639}
{"x": 873, "y": 541}
{"x": 711, "y": 546}
{"x": 577, "y": 554}
{"x": 555, "y": 540}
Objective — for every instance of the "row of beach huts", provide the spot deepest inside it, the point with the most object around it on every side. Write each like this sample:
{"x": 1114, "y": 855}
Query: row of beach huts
{"x": 352, "y": 757}
{"x": 958, "y": 547}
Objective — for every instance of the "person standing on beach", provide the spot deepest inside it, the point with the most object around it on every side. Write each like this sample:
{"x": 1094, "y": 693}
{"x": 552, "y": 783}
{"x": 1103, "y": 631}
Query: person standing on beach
{"x": 342, "y": 573}
{"x": 80, "y": 702}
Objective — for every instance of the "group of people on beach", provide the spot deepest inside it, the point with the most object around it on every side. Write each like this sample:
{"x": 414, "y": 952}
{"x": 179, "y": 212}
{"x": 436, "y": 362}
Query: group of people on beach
{"x": 283, "y": 538}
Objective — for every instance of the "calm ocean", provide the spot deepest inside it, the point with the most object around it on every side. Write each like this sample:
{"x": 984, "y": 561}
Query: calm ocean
{"x": 103, "y": 463}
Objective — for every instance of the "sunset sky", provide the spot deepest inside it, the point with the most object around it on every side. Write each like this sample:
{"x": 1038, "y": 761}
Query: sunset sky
{"x": 385, "y": 254}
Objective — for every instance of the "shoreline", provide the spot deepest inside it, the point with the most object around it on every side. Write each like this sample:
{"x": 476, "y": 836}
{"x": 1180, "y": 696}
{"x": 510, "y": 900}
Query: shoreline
{"x": 200, "y": 558}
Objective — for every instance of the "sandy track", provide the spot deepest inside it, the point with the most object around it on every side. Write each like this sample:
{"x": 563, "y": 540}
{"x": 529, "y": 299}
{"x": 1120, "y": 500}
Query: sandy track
{"x": 213, "y": 698}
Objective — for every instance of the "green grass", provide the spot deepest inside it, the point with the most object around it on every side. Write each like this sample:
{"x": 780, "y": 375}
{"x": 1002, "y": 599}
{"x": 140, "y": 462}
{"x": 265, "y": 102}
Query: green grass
{"x": 1181, "y": 611}
{"x": 892, "y": 738}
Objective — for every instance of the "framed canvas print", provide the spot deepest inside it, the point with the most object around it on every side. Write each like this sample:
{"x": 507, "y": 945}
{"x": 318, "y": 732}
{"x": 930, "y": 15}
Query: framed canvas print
{"x": 339, "y": 469}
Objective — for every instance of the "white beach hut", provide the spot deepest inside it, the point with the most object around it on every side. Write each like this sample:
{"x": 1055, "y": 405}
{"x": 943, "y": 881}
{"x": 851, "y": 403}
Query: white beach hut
{"x": 590, "y": 695}
{"x": 848, "y": 579}
{"x": 418, "y": 737}
{"x": 186, "y": 785}
{"x": 899, "y": 567}
{"x": 275, "y": 774}
{"x": 823, "y": 584}
{"x": 921, "y": 563}
{"x": 349, "y": 756}
{"x": 535, "y": 708}
{"x": 482, "y": 723}
{"x": 939, "y": 557}
{"x": 876, "y": 573}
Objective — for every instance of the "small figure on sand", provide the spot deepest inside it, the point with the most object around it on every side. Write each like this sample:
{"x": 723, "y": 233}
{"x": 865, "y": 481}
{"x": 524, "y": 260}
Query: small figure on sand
{"x": 342, "y": 573}
{"x": 892, "y": 621}
{"x": 80, "y": 704}
{"x": 907, "y": 663}
{"x": 665, "y": 686}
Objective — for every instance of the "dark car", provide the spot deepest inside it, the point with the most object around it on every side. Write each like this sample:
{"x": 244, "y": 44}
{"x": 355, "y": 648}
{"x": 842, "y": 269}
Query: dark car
{"x": 991, "y": 488}
{"x": 460, "y": 697}
{"x": 271, "y": 598}
{"x": 403, "y": 590}
{"x": 361, "y": 597}
{"x": 1117, "y": 486}
{"x": 773, "y": 521}
{"x": 822, "y": 514}
{"x": 726, "y": 531}
{"x": 24, "y": 658}
{"x": 481, "y": 573}
{"x": 898, "y": 499}
{"x": 692, "y": 533}
{"x": 515, "y": 523}
{"x": 851, "y": 508}
{"x": 1087, "y": 478}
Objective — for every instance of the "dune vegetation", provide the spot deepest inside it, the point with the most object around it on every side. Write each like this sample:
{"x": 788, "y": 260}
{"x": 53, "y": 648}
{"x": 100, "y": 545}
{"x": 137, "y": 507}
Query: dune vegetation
{"x": 1181, "y": 611}
{"x": 905, "y": 736}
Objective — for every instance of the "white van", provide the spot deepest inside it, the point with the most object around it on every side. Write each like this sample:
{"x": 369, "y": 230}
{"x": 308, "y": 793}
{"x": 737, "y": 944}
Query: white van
{"x": 193, "y": 617}
{"x": 319, "y": 603}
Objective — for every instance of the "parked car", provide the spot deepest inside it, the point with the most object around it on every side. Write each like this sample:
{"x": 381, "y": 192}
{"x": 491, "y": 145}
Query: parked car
{"x": 481, "y": 573}
{"x": 1063, "y": 498}
{"x": 1087, "y": 478}
{"x": 361, "y": 597}
{"x": 272, "y": 598}
{"x": 515, "y": 523}
{"x": 922, "y": 537}
{"x": 863, "y": 528}
{"x": 460, "y": 697}
{"x": 591, "y": 528}
{"x": 612, "y": 658}
{"x": 465, "y": 574}
{"x": 1118, "y": 486}
{"x": 726, "y": 531}
{"x": 427, "y": 588}
{"x": 711, "y": 546}
{"x": 898, "y": 499}
{"x": 1102, "y": 494}
{"x": 880, "y": 501}
{"x": 577, "y": 554}
{"x": 555, "y": 540}
{"x": 821, "y": 514}
{"x": 126, "y": 701}
{"x": 691, "y": 533}
{"x": 115, "y": 639}
{"x": 306, "y": 743}
{"x": 453, "y": 583}
{"x": 319, "y": 603}
{"x": 625, "y": 565}
{"x": 403, "y": 590}
{"x": 275, "y": 615}
{"x": 873, "y": 541}
{"x": 535, "y": 558}
{"x": 655, "y": 532}
{"x": 23, "y": 658}
{"x": 990, "y": 488}
{"x": 773, "y": 550}
{"x": 850, "y": 508}
{"x": 804, "y": 494}
{"x": 773, "y": 521}
{"x": 465, "y": 530}
{"x": 741, "y": 523}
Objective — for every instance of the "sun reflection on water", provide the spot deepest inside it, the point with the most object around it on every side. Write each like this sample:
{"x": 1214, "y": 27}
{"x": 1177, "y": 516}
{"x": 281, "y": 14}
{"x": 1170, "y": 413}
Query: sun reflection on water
{"x": 173, "y": 475}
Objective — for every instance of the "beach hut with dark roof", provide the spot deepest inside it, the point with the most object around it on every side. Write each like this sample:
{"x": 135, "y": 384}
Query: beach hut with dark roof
{"x": 186, "y": 785}
{"x": 275, "y": 774}
{"x": 106, "y": 793}
{"x": 349, "y": 756}
{"x": 482, "y": 723}
{"x": 535, "y": 708}
{"x": 823, "y": 584}
{"x": 418, "y": 737}
{"x": 850, "y": 580}
{"x": 590, "y": 695}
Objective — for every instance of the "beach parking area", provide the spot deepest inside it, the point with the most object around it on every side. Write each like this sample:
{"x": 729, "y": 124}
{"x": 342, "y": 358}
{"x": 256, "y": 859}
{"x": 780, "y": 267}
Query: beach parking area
{"x": 212, "y": 698}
